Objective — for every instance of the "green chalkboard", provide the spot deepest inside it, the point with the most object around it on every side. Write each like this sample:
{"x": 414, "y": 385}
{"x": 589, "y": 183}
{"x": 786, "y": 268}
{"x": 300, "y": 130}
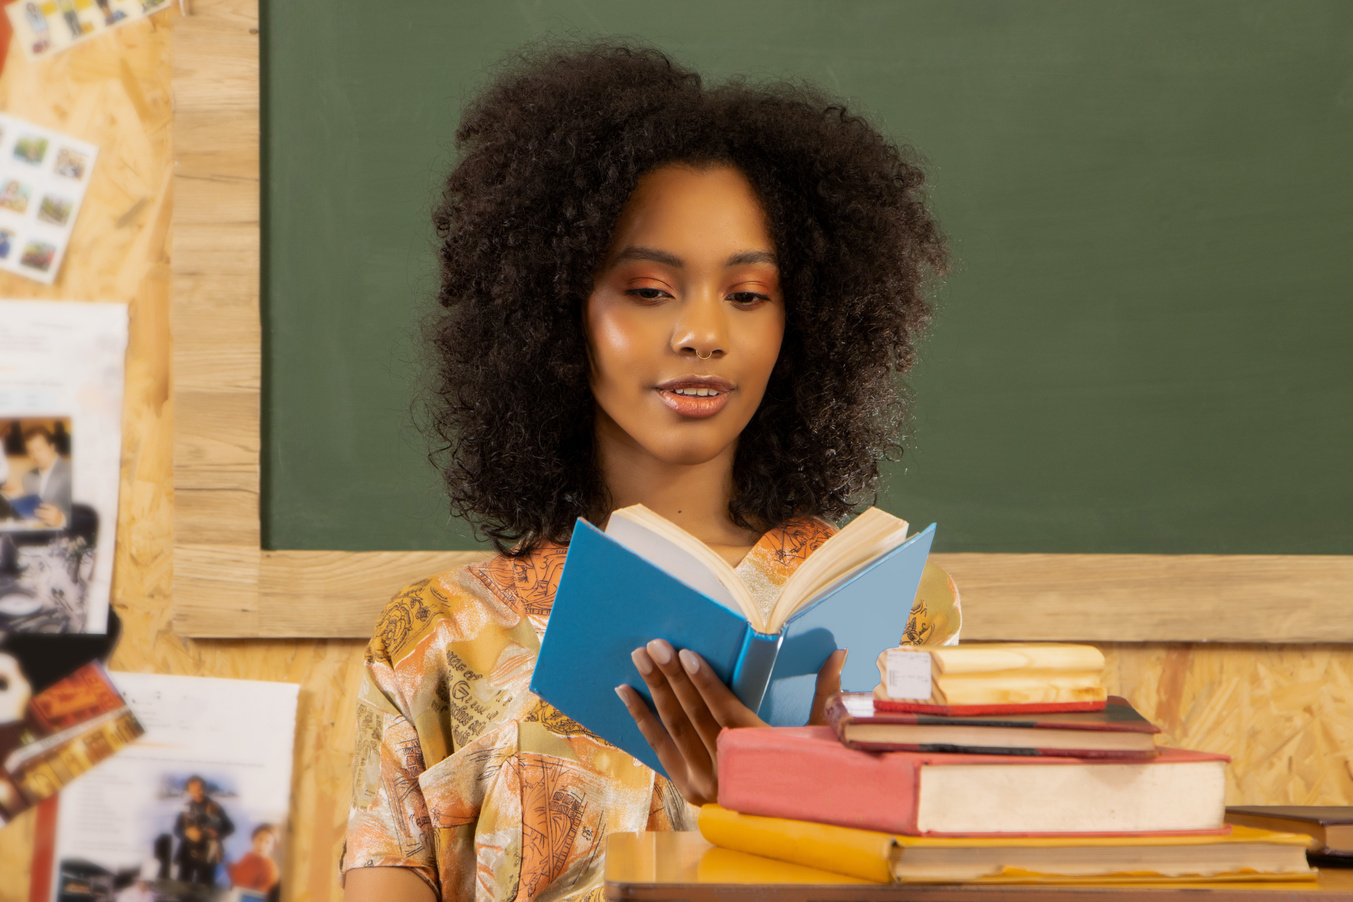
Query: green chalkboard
{"x": 1144, "y": 347}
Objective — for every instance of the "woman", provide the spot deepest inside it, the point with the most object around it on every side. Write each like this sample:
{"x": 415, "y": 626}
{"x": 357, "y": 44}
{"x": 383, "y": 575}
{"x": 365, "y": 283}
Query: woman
{"x": 694, "y": 298}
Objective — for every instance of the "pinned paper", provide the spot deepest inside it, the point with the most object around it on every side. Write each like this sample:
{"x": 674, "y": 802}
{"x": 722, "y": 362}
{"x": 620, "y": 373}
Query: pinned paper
{"x": 44, "y": 27}
{"x": 43, "y": 177}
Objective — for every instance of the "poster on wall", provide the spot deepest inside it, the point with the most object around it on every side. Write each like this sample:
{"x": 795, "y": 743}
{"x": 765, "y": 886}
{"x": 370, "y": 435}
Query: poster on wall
{"x": 43, "y": 177}
{"x": 44, "y": 27}
{"x": 195, "y": 809}
{"x": 61, "y": 379}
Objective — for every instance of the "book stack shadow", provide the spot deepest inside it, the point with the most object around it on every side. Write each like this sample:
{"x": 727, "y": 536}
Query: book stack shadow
{"x": 995, "y": 763}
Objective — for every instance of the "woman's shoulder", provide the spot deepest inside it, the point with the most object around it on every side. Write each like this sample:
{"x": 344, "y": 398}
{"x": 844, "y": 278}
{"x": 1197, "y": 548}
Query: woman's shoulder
{"x": 788, "y": 544}
{"x": 465, "y": 601}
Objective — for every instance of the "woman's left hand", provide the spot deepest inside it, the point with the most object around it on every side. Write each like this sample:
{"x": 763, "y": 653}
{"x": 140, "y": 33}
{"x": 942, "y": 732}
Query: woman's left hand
{"x": 693, "y": 706}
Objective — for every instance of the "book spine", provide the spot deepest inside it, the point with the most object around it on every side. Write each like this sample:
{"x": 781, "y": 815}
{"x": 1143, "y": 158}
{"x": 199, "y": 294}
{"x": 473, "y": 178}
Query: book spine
{"x": 756, "y": 660}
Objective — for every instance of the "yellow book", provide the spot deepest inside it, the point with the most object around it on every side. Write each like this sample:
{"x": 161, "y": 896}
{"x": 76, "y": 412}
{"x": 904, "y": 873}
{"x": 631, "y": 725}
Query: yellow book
{"x": 998, "y": 673}
{"x": 1244, "y": 854}
{"x": 859, "y": 853}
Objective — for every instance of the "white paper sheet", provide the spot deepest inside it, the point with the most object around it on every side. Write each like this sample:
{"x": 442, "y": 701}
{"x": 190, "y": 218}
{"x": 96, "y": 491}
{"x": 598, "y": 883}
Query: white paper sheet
{"x": 236, "y": 735}
{"x": 62, "y": 364}
{"x": 43, "y": 177}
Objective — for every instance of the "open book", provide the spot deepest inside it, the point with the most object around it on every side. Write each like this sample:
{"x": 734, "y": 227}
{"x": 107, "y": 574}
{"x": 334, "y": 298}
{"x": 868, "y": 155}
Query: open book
{"x": 646, "y": 578}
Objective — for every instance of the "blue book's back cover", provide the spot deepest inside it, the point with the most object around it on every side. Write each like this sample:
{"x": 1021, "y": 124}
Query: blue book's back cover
{"x": 610, "y": 602}
{"x": 866, "y": 613}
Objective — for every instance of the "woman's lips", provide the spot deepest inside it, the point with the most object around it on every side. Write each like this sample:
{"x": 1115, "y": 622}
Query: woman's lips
{"x": 696, "y": 397}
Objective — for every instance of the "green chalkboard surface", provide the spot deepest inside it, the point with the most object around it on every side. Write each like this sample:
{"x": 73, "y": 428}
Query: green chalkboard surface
{"x": 1144, "y": 347}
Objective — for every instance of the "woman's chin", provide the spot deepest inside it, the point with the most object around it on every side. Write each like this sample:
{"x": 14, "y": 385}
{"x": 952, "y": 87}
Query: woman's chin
{"x": 689, "y": 451}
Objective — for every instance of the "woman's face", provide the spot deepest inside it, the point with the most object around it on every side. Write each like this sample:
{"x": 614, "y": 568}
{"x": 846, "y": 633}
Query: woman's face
{"x": 685, "y": 320}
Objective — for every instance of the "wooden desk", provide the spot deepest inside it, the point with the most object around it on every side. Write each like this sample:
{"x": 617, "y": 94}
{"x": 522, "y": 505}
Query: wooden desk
{"x": 682, "y": 866}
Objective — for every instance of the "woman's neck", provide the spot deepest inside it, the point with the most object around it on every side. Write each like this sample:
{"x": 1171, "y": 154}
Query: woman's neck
{"x": 694, "y": 497}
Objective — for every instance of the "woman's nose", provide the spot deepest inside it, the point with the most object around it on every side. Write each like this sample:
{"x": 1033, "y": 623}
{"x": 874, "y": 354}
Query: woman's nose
{"x": 701, "y": 327}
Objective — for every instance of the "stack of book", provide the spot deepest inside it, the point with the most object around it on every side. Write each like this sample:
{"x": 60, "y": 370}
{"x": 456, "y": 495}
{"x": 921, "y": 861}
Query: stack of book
{"x": 989, "y": 763}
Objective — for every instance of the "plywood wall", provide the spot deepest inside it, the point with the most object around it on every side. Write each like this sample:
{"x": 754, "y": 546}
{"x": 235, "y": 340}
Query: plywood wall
{"x": 1284, "y": 713}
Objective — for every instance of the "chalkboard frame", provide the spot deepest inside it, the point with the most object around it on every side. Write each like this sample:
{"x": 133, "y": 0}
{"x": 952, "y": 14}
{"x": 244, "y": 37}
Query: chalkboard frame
{"x": 227, "y": 585}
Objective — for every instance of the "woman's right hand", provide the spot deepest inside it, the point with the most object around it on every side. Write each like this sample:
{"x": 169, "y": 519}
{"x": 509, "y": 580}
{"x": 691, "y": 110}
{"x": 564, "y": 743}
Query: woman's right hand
{"x": 693, "y": 706}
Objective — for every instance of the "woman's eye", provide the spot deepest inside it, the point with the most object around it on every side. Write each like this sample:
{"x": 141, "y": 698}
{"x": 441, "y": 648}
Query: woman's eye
{"x": 748, "y": 298}
{"x": 648, "y": 294}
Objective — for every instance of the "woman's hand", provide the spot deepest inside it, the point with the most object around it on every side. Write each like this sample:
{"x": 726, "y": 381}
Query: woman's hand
{"x": 693, "y": 706}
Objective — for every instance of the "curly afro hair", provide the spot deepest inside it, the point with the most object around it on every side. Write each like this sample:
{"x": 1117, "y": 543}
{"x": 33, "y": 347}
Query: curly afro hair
{"x": 550, "y": 152}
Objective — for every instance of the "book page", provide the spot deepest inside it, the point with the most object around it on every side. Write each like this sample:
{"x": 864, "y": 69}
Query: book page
{"x": 865, "y": 538}
{"x": 682, "y": 555}
{"x": 180, "y": 809}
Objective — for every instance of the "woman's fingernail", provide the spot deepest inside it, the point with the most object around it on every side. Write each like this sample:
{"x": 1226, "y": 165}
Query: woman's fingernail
{"x": 661, "y": 652}
{"x": 620, "y": 691}
{"x": 690, "y": 661}
{"x": 642, "y": 662}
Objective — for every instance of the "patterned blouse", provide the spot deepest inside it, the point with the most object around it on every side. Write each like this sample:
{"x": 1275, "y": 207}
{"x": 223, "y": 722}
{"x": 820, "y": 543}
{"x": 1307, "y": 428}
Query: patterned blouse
{"x": 467, "y": 778}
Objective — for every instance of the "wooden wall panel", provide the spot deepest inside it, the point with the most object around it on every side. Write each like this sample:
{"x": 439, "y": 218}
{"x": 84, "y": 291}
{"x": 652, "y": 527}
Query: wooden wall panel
{"x": 1281, "y": 711}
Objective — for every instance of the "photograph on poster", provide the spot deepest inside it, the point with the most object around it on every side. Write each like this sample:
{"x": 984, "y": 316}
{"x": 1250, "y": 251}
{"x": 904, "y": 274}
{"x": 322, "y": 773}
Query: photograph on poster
{"x": 70, "y": 163}
{"x": 48, "y": 532}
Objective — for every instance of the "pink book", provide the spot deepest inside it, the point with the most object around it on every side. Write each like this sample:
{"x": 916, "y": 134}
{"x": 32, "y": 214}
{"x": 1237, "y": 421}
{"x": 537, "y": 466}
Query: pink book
{"x": 804, "y": 773}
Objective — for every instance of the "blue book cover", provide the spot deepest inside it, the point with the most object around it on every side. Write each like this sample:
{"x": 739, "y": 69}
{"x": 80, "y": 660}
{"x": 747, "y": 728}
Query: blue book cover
{"x": 611, "y": 600}
{"x": 25, "y": 507}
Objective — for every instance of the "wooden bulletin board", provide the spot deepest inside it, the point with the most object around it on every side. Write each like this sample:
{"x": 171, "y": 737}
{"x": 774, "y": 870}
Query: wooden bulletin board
{"x": 228, "y": 584}
{"x": 177, "y": 180}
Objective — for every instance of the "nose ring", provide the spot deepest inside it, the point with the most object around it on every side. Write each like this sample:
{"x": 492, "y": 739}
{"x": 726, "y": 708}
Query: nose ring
{"x": 704, "y": 356}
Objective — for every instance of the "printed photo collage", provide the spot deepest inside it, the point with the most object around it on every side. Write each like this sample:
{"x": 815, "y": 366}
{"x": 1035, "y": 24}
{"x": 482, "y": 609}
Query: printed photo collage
{"x": 44, "y": 27}
{"x": 43, "y": 178}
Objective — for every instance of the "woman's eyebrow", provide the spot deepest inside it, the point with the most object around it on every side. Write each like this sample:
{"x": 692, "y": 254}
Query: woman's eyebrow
{"x": 745, "y": 257}
{"x": 651, "y": 254}
{"x": 741, "y": 258}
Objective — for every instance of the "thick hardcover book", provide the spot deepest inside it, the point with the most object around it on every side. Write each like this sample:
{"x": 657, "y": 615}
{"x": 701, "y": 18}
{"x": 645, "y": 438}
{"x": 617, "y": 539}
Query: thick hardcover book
{"x": 1115, "y": 731}
{"x": 1243, "y": 854}
{"x": 613, "y": 599}
{"x": 806, "y": 774}
{"x": 1330, "y": 827}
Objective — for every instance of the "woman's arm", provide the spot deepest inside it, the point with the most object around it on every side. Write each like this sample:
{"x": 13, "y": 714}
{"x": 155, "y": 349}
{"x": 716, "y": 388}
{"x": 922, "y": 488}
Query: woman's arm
{"x": 386, "y": 885}
{"x": 693, "y": 706}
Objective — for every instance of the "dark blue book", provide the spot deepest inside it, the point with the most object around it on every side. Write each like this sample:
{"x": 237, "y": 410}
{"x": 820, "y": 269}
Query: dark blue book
{"x": 25, "y": 507}
{"x": 613, "y": 599}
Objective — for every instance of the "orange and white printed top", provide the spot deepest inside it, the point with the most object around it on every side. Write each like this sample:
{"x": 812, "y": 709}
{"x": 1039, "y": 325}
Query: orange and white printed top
{"x": 466, "y": 777}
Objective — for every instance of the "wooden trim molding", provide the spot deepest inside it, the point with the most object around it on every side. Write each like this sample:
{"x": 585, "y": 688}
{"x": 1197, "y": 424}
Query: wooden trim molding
{"x": 226, "y": 585}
